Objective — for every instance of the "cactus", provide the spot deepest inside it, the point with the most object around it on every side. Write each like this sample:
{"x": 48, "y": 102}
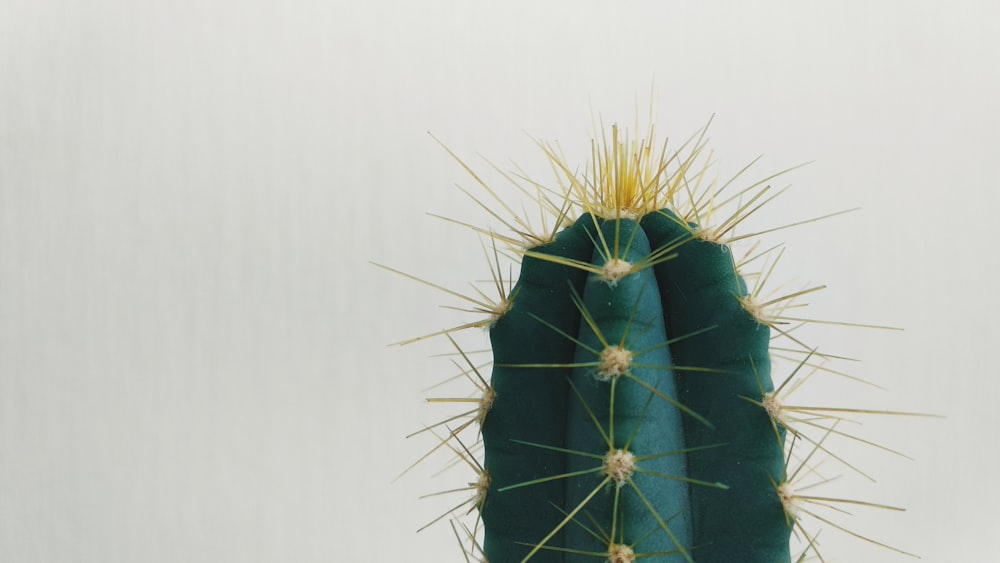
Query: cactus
{"x": 631, "y": 411}
{"x": 641, "y": 359}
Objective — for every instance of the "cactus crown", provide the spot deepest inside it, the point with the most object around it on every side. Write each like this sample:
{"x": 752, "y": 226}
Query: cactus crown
{"x": 629, "y": 177}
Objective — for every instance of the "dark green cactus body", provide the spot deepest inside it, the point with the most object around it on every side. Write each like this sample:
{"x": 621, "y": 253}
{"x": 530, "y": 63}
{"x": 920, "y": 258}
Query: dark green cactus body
{"x": 531, "y": 403}
{"x": 542, "y": 426}
{"x": 700, "y": 289}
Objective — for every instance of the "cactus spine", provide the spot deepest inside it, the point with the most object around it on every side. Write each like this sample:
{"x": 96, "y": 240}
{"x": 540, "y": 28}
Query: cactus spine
{"x": 630, "y": 412}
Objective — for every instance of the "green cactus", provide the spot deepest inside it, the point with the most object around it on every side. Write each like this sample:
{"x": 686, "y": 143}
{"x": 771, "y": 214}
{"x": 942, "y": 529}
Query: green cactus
{"x": 631, "y": 412}
{"x": 624, "y": 364}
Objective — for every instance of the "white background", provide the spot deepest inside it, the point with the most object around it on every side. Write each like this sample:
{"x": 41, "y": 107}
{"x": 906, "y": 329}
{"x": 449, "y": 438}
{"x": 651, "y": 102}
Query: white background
{"x": 193, "y": 360}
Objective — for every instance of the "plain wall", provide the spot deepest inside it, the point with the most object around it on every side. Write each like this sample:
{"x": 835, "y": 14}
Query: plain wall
{"x": 193, "y": 343}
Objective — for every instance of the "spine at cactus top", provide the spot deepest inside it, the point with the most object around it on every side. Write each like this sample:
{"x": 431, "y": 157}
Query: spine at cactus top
{"x": 621, "y": 426}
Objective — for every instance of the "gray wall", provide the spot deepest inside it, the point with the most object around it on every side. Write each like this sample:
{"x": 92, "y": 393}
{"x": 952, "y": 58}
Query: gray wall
{"x": 193, "y": 360}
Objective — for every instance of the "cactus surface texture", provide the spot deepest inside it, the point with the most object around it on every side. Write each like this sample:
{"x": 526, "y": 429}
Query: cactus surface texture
{"x": 630, "y": 413}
